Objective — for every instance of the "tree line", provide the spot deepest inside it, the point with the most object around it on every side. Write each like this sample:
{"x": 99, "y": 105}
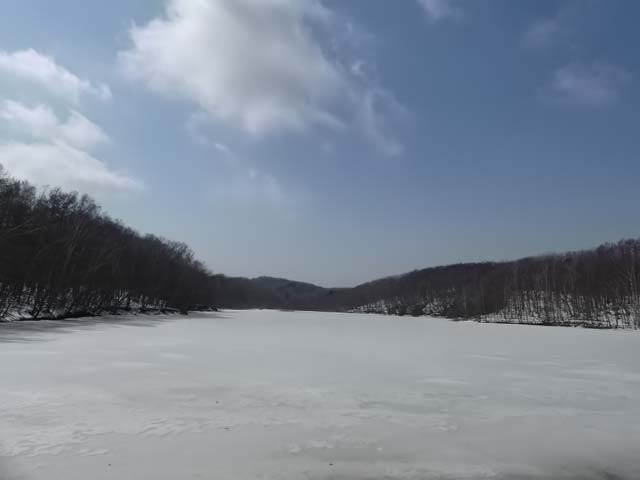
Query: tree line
{"x": 597, "y": 288}
{"x": 61, "y": 256}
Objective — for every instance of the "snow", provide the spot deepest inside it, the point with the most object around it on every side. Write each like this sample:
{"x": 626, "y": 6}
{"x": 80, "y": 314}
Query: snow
{"x": 300, "y": 395}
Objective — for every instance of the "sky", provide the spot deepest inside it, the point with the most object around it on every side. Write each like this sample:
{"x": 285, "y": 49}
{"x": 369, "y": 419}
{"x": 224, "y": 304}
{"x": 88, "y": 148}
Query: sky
{"x": 333, "y": 141}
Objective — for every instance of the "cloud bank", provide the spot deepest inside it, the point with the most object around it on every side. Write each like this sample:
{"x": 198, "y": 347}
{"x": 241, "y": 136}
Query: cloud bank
{"x": 263, "y": 66}
{"x": 38, "y": 145}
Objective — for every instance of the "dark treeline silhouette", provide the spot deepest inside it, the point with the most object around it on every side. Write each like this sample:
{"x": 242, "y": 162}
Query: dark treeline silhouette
{"x": 60, "y": 256}
{"x": 597, "y": 288}
{"x": 269, "y": 292}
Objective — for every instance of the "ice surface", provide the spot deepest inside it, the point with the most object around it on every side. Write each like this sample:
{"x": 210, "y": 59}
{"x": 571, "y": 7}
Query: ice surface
{"x": 295, "y": 395}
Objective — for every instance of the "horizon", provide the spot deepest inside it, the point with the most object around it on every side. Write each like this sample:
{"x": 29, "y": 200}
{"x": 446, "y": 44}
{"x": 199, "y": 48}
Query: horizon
{"x": 329, "y": 142}
{"x": 427, "y": 267}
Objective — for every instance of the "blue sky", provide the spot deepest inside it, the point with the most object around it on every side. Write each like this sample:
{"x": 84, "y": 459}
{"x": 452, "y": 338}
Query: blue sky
{"x": 333, "y": 141}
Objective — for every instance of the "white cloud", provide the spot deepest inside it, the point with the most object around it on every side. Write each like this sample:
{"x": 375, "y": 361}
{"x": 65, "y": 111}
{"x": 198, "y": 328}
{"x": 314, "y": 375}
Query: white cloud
{"x": 45, "y": 150}
{"x": 589, "y": 85}
{"x": 542, "y": 33}
{"x": 60, "y": 164}
{"x": 246, "y": 61}
{"x": 32, "y": 66}
{"x": 37, "y": 144}
{"x": 81, "y": 132}
{"x": 438, "y": 10}
{"x": 260, "y": 65}
{"x": 41, "y": 123}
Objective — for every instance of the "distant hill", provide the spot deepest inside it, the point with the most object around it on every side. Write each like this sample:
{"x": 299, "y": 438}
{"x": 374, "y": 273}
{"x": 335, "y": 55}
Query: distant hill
{"x": 288, "y": 289}
{"x": 272, "y": 292}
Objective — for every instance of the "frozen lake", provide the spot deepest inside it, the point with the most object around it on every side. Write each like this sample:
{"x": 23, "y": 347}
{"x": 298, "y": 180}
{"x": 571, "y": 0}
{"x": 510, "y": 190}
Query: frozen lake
{"x": 293, "y": 395}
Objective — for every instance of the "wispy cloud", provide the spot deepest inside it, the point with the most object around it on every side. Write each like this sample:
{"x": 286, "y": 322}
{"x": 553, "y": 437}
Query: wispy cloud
{"x": 589, "y": 85}
{"x": 43, "y": 71}
{"x": 438, "y": 10}
{"x": 249, "y": 186}
{"x": 542, "y": 33}
{"x": 376, "y": 107}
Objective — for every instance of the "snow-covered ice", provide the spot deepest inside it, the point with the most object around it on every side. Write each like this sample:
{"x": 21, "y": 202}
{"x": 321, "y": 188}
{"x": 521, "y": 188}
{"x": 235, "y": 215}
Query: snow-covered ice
{"x": 296, "y": 395}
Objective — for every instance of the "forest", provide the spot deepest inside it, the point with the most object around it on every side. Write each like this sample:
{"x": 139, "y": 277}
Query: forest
{"x": 62, "y": 256}
{"x": 596, "y": 288}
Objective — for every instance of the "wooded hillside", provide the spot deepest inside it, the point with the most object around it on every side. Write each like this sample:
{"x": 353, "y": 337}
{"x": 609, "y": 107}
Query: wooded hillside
{"x": 598, "y": 288}
{"x": 61, "y": 256}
